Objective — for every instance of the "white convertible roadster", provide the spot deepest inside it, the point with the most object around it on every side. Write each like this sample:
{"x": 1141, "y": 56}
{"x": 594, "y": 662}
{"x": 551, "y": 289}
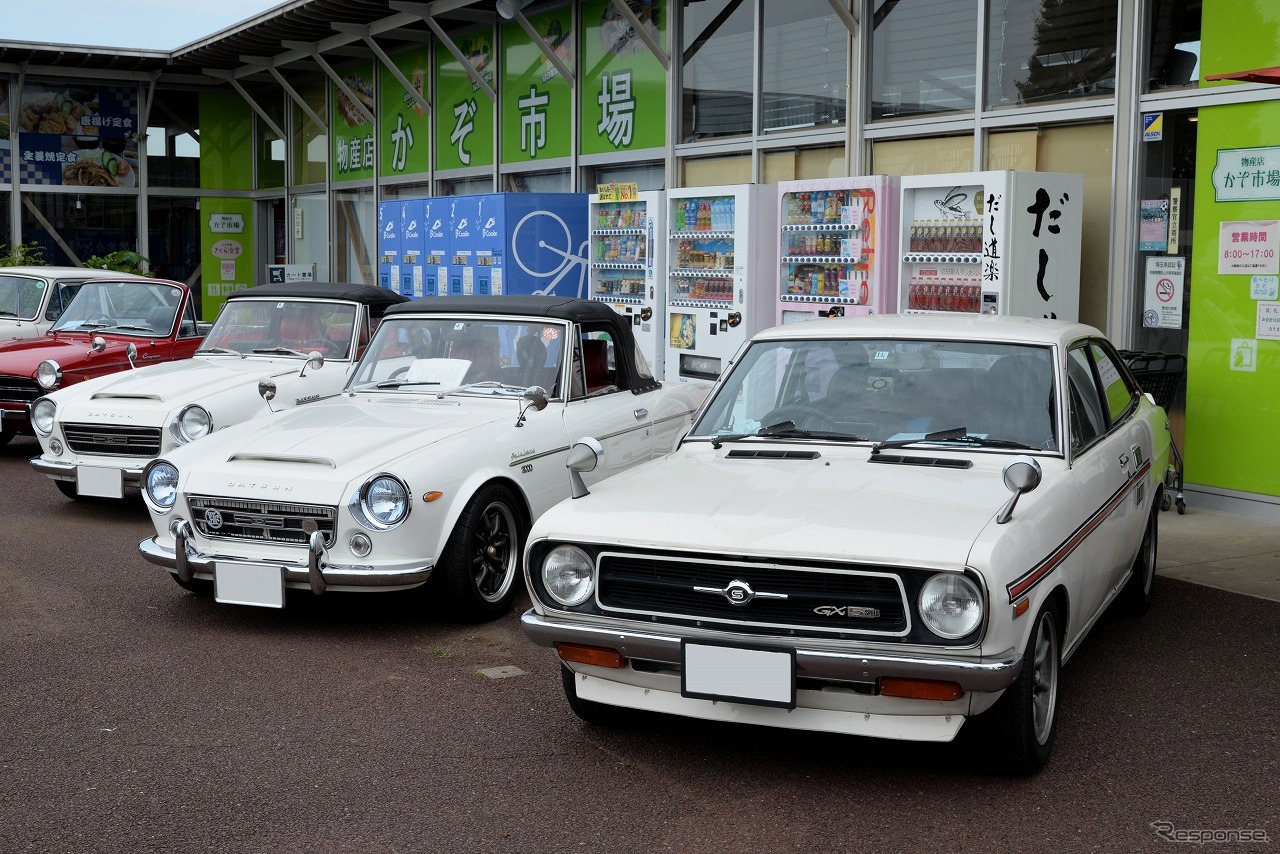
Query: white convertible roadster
{"x": 449, "y": 440}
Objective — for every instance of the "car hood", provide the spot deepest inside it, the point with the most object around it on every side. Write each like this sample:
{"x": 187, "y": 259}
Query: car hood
{"x": 160, "y": 388}
{"x": 836, "y": 507}
{"x": 316, "y": 450}
{"x": 20, "y": 358}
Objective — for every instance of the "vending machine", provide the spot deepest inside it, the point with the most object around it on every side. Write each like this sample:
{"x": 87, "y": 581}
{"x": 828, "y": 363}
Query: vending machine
{"x": 436, "y": 229}
{"x": 389, "y": 225}
{"x": 628, "y": 263}
{"x": 838, "y": 252}
{"x": 413, "y": 244}
{"x": 720, "y": 275}
{"x": 998, "y": 242}
{"x": 518, "y": 243}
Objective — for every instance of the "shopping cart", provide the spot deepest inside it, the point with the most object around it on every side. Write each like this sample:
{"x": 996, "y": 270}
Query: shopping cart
{"x": 1161, "y": 375}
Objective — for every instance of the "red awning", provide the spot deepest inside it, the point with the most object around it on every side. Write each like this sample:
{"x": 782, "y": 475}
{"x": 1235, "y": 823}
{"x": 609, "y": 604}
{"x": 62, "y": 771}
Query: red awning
{"x": 1257, "y": 75}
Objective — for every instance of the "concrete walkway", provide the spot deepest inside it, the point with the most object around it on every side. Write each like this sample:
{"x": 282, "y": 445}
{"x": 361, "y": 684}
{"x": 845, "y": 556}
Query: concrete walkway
{"x": 1222, "y": 550}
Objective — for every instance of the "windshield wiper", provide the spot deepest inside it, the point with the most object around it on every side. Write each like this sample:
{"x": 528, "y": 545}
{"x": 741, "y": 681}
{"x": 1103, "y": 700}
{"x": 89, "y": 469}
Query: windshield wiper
{"x": 126, "y": 327}
{"x": 495, "y": 384}
{"x": 221, "y": 351}
{"x": 785, "y": 430}
{"x": 280, "y": 351}
{"x": 398, "y": 383}
{"x": 955, "y": 434}
{"x": 8, "y": 313}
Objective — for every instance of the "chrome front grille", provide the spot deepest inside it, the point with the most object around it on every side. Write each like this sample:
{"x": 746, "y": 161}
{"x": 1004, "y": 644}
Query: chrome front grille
{"x": 261, "y": 521}
{"x": 19, "y": 390}
{"x": 113, "y": 440}
{"x": 782, "y": 598}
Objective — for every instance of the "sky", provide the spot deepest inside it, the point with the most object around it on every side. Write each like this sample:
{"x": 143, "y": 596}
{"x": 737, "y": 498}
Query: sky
{"x": 150, "y": 24}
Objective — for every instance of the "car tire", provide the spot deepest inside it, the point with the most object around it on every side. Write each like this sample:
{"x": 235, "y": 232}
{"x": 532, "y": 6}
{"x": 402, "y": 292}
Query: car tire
{"x": 483, "y": 555}
{"x": 589, "y": 711}
{"x": 1135, "y": 598}
{"x": 1025, "y": 718}
{"x": 6, "y": 435}
{"x": 199, "y": 586}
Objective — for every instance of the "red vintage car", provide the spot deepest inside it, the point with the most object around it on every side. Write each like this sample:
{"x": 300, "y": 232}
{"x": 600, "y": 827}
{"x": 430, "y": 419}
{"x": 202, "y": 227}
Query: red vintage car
{"x": 111, "y": 325}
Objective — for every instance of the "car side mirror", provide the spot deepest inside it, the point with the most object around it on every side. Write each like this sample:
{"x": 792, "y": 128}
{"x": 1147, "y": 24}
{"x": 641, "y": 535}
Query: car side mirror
{"x": 131, "y": 353}
{"x": 535, "y": 396}
{"x": 267, "y": 391}
{"x": 1021, "y": 475}
{"x": 99, "y": 344}
{"x": 314, "y": 359}
{"x": 583, "y": 457}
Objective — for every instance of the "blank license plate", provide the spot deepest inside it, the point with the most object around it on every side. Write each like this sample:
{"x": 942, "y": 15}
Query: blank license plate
{"x": 763, "y": 677}
{"x": 99, "y": 482}
{"x": 249, "y": 584}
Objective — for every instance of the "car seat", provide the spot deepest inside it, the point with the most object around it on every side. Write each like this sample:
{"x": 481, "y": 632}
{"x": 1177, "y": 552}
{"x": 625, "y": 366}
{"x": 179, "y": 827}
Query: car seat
{"x": 595, "y": 366}
{"x": 531, "y": 358}
{"x": 1021, "y": 406}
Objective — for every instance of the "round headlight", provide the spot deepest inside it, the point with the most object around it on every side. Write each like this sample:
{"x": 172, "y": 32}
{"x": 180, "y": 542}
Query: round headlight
{"x": 951, "y": 605}
{"x": 568, "y": 573}
{"x": 385, "y": 500}
{"x": 49, "y": 374}
{"x": 193, "y": 422}
{"x": 42, "y": 416}
{"x": 161, "y": 484}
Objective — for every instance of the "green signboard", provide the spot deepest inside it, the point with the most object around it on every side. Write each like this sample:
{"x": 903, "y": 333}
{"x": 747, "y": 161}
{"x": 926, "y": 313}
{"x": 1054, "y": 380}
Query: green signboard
{"x": 464, "y": 113}
{"x": 226, "y": 250}
{"x": 351, "y": 132}
{"x": 402, "y": 120}
{"x": 623, "y": 85}
{"x": 537, "y": 102}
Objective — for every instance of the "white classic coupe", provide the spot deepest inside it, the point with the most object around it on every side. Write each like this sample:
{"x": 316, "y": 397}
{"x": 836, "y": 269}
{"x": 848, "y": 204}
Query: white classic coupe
{"x": 449, "y": 440}
{"x": 881, "y": 526}
{"x": 96, "y": 436}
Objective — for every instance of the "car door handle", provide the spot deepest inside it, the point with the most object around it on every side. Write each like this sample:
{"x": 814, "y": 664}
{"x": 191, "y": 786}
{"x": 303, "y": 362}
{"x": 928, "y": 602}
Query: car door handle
{"x": 1124, "y": 464}
{"x": 641, "y": 413}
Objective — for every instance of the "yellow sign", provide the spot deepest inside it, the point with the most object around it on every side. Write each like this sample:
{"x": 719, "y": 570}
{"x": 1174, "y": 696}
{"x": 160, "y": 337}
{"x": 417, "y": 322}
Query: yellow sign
{"x": 615, "y": 192}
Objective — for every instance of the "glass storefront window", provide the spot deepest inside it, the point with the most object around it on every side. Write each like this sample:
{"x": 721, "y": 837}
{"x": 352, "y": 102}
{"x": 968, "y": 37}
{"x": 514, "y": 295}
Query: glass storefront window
{"x": 1174, "y": 58}
{"x": 557, "y": 181}
{"x": 806, "y": 62}
{"x": 87, "y": 224}
{"x": 310, "y": 143}
{"x": 173, "y": 139}
{"x": 269, "y": 147}
{"x": 173, "y": 241}
{"x": 464, "y": 186}
{"x": 718, "y": 51}
{"x": 309, "y": 225}
{"x": 922, "y": 156}
{"x": 800, "y": 164}
{"x": 715, "y": 171}
{"x": 355, "y": 224}
{"x": 1043, "y": 50}
{"x": 647, "y": 176}
{"x": 923, "y": 57}
{"x": 406, "y": 191}
{"x": 6, "y": 223}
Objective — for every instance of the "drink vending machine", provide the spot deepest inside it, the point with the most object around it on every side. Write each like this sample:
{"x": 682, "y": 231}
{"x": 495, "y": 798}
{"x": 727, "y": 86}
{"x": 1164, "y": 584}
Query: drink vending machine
{"x": 628, "y": 265}
{"x": 720, "y": 275}
{"x": 839, "y": 246}
{"x": 1000, "y": 242}
{"x": 518, "y": 243}
{"x": 389, "y": 224}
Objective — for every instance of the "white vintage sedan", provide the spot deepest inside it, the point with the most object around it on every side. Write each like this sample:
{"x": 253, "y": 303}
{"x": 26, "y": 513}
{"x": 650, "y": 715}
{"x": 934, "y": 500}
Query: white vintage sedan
{"x": 881, "y": 526}
{"x": 96, "y": 436}
{"x": 32, "y": 298}
{"x": 449, "y": 439}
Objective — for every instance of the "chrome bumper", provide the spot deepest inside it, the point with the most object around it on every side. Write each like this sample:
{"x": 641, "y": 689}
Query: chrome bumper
{"x": 984, "y": 675}
{"x": 67, "y": 471}
{"x": 318, "y": 572}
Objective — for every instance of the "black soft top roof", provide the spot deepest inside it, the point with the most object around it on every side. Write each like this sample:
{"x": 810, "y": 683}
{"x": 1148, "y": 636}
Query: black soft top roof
{"x": 560, "y": 308}
{"x": 367, "y": 294}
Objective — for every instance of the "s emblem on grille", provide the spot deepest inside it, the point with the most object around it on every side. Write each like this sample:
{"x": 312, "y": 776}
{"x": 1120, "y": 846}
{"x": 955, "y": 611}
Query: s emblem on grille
{"x": 739, "y": 592}
{"x": 213, "y": 519}
{"x": 847, "y": 611}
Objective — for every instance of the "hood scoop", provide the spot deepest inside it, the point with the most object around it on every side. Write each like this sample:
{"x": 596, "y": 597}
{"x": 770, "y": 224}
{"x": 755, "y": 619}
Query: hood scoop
{"x": 106, "y": 395}
{"x": 281, "y": 458}
{"x": 772, "y": 454}
{"x": 926, "y": 462}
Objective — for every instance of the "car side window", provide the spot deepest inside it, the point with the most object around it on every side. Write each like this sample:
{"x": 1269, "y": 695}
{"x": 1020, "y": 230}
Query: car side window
{"x": 1088, "y": 420}
{"x": 1117, "y": 393}
{"x": 189, "y": 327}
{"x": 61, "y": 299}
{"x": 595, "y": 365}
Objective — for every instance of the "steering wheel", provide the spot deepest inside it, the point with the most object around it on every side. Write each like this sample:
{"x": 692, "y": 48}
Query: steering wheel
{"x": 399, "y": 372}
{"x": 324, "y": 345}
{"x": 803, "y": 416}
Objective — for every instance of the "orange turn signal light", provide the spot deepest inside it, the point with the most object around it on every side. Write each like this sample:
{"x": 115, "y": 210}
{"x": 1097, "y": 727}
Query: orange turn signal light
{"x": 920, "y": 689}
{"x": 597, "y": 655}
{"x": 431, "y": 496}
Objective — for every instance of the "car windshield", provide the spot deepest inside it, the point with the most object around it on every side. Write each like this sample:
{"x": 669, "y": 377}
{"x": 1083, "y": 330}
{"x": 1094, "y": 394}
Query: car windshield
{"x": 276, "y": 327}
{"x": 904, "y": 392}
{"x": 20, "y": 297}
{"x": 469, "y": 355}
{"x": 131, "y": 307}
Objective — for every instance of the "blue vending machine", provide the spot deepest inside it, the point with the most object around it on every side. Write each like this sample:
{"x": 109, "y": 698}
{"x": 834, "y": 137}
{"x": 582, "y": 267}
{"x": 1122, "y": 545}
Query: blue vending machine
{"x": 413, "y": 248}
{"x": 520, "y": 243}
{"x": 436, "y": 231}
{"x": 389, "y": 224}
